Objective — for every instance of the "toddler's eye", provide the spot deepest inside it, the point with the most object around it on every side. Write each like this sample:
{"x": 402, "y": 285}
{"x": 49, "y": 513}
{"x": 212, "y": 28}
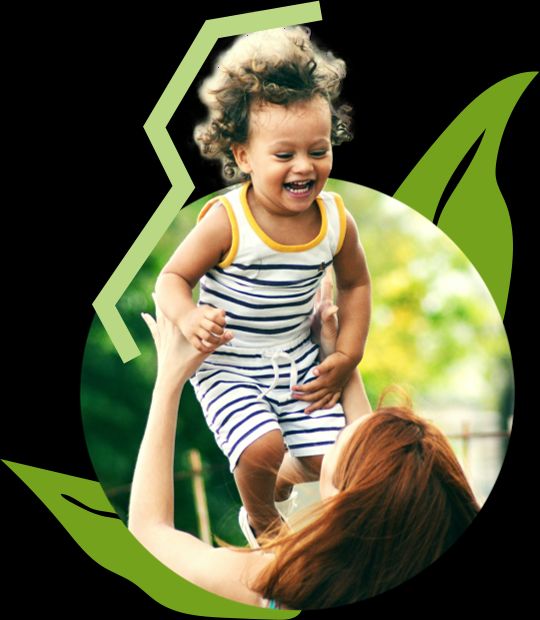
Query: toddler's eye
{"x": 283, "y": 155}
{"x": 320, "y": 153}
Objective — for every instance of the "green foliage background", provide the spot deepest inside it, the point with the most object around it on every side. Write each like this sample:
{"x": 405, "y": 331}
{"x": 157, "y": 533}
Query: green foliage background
{"x": 435, "y": 331}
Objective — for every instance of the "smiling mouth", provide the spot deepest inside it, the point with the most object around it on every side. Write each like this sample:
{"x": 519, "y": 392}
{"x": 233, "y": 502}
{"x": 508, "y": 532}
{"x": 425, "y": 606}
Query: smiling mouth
{"x": 299, "y": 187}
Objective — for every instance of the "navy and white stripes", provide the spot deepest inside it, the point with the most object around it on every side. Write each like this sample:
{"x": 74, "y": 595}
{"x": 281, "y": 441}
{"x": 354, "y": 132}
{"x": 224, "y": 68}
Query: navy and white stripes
{"x": 261, "y": 308}
{"x": 228, "y": 390}
{"x": 267, "y": 290}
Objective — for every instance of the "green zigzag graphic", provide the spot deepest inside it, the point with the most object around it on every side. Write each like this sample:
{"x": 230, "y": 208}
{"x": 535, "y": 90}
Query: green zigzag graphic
{"x": 182, "y": 185}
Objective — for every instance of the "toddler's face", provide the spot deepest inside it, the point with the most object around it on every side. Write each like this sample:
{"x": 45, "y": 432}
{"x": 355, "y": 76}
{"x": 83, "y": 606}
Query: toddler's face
{"x": 288, "y": 153}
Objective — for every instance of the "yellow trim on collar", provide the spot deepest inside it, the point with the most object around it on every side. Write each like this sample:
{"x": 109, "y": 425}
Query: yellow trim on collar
{"x": 231, "y": 254}
{"x": 281, "y": 246}
{"x": 342, "y": 221}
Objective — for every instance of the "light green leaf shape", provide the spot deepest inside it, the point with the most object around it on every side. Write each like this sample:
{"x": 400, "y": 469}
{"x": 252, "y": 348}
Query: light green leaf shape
{"x": 475, "y": 216}
{"x": 182, "y": 185}
{"x": 108, "y": 542}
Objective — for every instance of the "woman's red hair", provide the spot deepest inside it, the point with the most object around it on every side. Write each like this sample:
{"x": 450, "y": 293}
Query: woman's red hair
{"x": 403, "y": 500}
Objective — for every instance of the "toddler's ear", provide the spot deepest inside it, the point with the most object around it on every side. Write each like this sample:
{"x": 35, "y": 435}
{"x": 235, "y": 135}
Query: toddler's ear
{"x": 240, "y": 153}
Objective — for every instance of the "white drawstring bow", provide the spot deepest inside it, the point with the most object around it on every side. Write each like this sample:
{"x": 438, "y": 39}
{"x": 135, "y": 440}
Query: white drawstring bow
{"x": 274, "y": 356}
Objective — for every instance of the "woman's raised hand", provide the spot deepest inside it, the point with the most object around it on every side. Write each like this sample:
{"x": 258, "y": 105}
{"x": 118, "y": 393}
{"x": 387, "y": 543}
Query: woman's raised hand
{"x": 177, "y": 359}
{"x": 324, "y": 325}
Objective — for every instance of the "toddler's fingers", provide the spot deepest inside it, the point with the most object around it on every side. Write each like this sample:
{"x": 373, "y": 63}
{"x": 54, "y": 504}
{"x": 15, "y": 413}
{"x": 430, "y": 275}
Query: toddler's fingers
{"x": 224, "y": 338}
{"x": 197, "y": 344}
{"x": 212, "y": 346}
{"x": 306, "y": 388}
{"x": 207, "y": 347}
{"x": 334, "y": 401}
{"x": 320, "y": 404}
{"x": 215, "y": 315}
{"x": 203, "y": 334}
{"x": 315, "y": 396}
{"x": 211, "y": 343}
{"x": 212, "y": 327}
{"x": 325, "y": 366}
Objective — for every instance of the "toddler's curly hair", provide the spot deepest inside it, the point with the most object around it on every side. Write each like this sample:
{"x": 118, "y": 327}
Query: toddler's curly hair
{"x": 280, "y": 66}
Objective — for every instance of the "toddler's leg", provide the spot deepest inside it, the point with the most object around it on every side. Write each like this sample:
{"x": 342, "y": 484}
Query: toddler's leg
{"x": 255, "y": 476}
{"x": 295, "y": 470}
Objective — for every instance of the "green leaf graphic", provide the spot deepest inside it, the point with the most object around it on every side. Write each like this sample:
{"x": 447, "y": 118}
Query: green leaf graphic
{"x": 475, "y": 216}
{"x": 182, "y": 186}
{"x": 108, "y": 542}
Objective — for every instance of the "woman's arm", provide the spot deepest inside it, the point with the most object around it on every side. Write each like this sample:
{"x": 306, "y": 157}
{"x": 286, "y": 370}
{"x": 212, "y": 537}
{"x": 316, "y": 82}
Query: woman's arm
{"x": 152, "y": 493}
{"x": 354, "y": 399}
{"x": 151, "y": 506}
{"x": 325, "y": 331}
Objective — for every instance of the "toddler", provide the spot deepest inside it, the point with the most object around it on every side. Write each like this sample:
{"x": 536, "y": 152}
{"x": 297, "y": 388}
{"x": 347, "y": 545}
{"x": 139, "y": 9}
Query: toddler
{"x": 260, "y": 251}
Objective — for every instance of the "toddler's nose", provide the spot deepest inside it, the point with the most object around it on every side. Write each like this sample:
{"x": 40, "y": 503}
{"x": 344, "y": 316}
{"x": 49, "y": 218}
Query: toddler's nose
{"x": 302, "y": 165}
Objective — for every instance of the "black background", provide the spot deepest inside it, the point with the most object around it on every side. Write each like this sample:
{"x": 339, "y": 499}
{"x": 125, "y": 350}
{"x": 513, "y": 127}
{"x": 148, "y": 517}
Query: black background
{"x": 83, "y": 180}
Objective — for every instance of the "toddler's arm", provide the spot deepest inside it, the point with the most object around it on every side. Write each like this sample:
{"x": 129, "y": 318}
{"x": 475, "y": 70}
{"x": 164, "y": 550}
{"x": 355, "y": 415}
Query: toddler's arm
{"x": 354, "y": 302}
{"x": 202, "y": 249}
{"x": 353, "y": 296}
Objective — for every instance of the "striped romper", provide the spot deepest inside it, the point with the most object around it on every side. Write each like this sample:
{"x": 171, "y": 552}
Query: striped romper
{"x": 267, "y": 290}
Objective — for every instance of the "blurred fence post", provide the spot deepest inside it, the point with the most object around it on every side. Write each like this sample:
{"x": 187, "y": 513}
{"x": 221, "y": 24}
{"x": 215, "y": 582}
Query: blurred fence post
{"x": 199, "y": 494}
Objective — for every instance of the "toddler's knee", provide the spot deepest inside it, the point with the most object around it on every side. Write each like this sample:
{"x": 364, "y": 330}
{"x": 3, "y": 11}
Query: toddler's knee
{"x": 267, "y": 452}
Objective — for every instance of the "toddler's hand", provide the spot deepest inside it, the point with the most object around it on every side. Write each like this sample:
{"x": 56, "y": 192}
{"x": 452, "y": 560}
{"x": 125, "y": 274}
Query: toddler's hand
{"x": 332, "y": 375}
{"x": 204, "y": 328}
{"x": 177, "y": 358}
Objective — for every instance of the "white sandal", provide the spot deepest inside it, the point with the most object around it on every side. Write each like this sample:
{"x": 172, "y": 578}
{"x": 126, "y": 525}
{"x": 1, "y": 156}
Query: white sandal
{"x": 243, "y": 521}
{"x": 288, "y": 506}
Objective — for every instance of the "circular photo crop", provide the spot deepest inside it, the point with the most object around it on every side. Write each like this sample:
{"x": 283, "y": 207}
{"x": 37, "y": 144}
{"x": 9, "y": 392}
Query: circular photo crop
{"x": 435, "y": 332}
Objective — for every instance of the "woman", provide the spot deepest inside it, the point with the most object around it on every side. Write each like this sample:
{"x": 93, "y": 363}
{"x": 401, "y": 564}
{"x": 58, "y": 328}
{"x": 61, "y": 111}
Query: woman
{"x": 394, "y": 498}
